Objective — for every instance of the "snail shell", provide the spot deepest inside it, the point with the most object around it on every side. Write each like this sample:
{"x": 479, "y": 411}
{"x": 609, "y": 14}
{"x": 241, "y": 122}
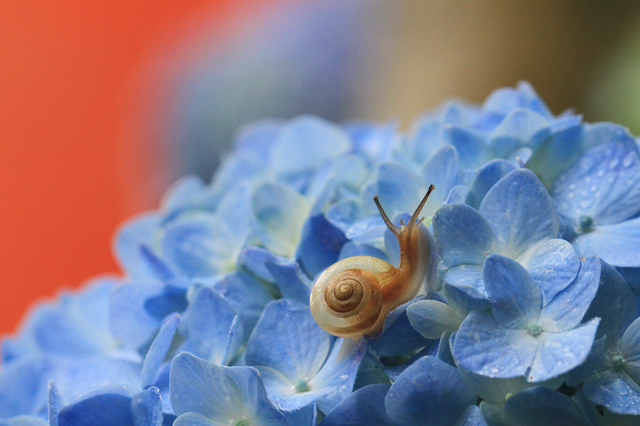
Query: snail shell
{"x": 352, "y": 297}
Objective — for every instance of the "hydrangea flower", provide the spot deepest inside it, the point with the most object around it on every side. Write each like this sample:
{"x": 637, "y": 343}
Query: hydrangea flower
{"x": 527, "y": 321}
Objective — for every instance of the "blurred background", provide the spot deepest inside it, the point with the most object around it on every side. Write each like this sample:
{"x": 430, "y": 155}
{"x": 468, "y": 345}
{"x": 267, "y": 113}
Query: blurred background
{"x": 103, "y": 104}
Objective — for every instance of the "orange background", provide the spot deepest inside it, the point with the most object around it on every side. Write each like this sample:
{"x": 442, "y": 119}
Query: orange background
{"x": 63, "y": 69}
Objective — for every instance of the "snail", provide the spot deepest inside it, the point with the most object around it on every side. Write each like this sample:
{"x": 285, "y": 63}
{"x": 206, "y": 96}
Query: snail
{"x": 352, "y": 297}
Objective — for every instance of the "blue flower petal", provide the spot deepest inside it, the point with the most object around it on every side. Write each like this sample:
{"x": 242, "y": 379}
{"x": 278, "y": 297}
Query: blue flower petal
{"x": 290, "y": 279}
{"x": 463, "y": 301}
{"x": 505, "y": 99}
{"x": 630, "y": 342}
{"x": 516, "y": 300}
{"x": 552, "y": 264}
{"x": 612, "y": 291}
{"x": 305, "y": 143}
{"x": 467, "y": 279}
{"x": 568, "y": 307}
{"x": 616, "y": 244}
{"x": 279, "y": 212}
{"x": 146, "y": 408}
{"x": 193, "y": 419}
{"x": 158, "y": 350}
{"x": 344, "y": 214}
{"x": 399, "y": 189}
{"x": 206, "y": 324}
{"x": 486, "y": 348}
{"x": 429, "y": 392}
{"x": 130, "y": 236}
{"x": 23, "y": 421}
{"x": 443, "y": 170}
{"x": 203, "y": 388}
{"x": 339, "y": 372}
{"x": 604, "y": 184}
{"x": 288, "y": 340}
{"x": 54, "y": 403}
{"x": 560, "y": 352}
{"x": 397, "y": 336}
{"x": 364, "y": 407}
{"x": 104, "y": 409}
{"x": 307, "y": 416}
{"x": 128, "y": 307}
{"x": 432, "y": 318}
{"x": 541, "y": 406}
{"x": 464, "y": 237}
{"x": 256, "y": 404}
{"x": 616, "y": 391}
{"x": 520, "y": 127}
{"x": 283, "y": 393}
{"x": 522, "y": 199}
{"x": 22, "y": 386}
{"x": 487, "y": 176}
{"x": 471, "y": 145}
{"x": 319, "y": 246}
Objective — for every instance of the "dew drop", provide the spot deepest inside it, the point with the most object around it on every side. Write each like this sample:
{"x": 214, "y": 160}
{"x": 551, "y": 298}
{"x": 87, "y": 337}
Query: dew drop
{"x": 614, "y": 163}
{"x": 600, "y": 173}
{"x": 628, "y": 160}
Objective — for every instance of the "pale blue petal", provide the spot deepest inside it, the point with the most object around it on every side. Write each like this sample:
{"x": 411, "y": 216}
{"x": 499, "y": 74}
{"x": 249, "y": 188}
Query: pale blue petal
{"x": 552, "y": 264}
{"x": 516, "y": 300}
{"x": 364, "y": 407}
{"x": 630, "y": 342}
{"x": 288, "y": 340}
{"x": 193, "y": 419}
{"x": 400, "y": 189}
{"x": 280, "y": 213}
{"x": 130, "y": 236}
{"x": 464, "y": 237}
{"x": 22, "y": 386}
{"x": 616, "y": 391}
{"x": 290, "y": 279}
{"x": 471, "y": 145}
{"x": 128, "y": 303}
{"x": 616, "y": 244}
{"x": 23, "y": 421}
{"x": 560, "y": 352}
{"x": 464, "y": 300}
{"x": 604, "y": 184}
{"x": 54, "y": 403}
{"x": 541, "y": 406}
{"x": 596, "y": 361}
{"x": 457, "y": 195}
{"x": 338, "y": 374}
{"x": 344, "y": 214}
{"x": 568, "y": 307}
{"x": 614, "y": 304}
{"x": 442, "y": 170}
{"x": 374, "y": 141}
{"x": 505, "y": 99}
{"x": 235, "y": 340}
{"x": 319, "y": 246}
{"x": 158, "y": 350}
{"x": 184, "y": 193}
{"x": 307, "y": 416}
{"x": 206, "y": 324}
{"x": 282, "y": 392}
{"x": 256, "y": 404}
{"x": 204, "y": 388}
{"x": 246, "y": 295}
{"x": 429, "y": 392}
{"x": 198, "y": 246}
{"x": 432, "y": 318}
{"x": 492, "y": 389}
{"x": 519, "y": 201}
{"x": 484, "y": 347}
{"x": 487, "y": 176}
{"x": 367, "y": 229}
{"x": 351, "y": 249}
{"x": 468, "y": 279}
{"x": 558, "y": 151}
{"x": 520, "y": 127}
{"x": 305, "y": 143}
{"x": 146, "y": 408}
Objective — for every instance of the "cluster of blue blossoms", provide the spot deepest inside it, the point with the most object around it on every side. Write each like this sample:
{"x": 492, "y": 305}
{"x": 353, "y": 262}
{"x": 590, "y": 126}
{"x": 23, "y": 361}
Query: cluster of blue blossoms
{"x": 536, "y": 221}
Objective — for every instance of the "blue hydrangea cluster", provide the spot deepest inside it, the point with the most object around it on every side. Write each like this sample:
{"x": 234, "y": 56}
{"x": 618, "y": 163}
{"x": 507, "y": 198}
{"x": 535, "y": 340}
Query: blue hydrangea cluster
{"x": 536, "y": 225}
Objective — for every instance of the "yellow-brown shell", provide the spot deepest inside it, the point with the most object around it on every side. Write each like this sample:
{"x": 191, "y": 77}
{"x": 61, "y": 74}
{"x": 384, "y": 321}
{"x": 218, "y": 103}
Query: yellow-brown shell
{"x": 346, "y": 300}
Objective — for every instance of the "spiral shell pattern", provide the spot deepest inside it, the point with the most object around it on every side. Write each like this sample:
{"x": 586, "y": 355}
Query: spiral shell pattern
{"x": 348, "y": 304}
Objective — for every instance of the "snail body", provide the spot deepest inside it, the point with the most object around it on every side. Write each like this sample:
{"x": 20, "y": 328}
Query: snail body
{"x": 352, "y": 297}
